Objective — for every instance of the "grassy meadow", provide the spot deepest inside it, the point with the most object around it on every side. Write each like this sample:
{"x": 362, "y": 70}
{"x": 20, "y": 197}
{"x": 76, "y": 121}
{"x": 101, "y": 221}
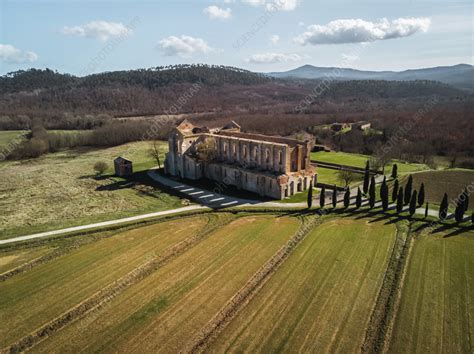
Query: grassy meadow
{"x": 359, "y": 160}
{"x": 9, "y": 137}
{"x": 60, "y": 190}
{"x": 436, "y": 312}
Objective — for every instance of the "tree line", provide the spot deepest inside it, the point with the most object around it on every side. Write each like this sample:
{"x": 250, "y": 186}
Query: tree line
{"x": 401, "y": 197}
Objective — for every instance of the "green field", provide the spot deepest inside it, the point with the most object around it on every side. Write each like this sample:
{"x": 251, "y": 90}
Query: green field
{"x": 359, "y": 160}
{"x": 164, "y": 310}
{"x": 330, "y": 176}
{"x": 320, "y": 300}
{"x": 436, "y": 312}
{"x": 60, "y": 189}
{"x": 9, "y": 138}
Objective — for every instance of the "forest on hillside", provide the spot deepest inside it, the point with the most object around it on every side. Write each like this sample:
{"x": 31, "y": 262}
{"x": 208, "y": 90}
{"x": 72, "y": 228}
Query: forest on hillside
{"x": 50, "y": 100}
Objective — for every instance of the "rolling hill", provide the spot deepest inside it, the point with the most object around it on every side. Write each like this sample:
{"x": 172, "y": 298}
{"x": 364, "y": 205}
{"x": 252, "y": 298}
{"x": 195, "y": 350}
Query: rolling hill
{"x": 460, "y": 76}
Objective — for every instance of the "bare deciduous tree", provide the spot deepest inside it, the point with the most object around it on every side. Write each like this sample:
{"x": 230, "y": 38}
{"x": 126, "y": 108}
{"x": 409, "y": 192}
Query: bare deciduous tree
{"x": 155, "y": 153}
{"x": 346, "y": 176}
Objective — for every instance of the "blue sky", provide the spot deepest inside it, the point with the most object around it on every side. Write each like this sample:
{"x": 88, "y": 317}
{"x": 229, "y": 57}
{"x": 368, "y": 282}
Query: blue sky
{"x": 82, "y": 37}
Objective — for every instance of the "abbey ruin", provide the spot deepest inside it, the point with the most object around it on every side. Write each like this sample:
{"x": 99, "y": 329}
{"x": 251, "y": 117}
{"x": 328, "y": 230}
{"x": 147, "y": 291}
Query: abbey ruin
{"x": 271, "y": 166}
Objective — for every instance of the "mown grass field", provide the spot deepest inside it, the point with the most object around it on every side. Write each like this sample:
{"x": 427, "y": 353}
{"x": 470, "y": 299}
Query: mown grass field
{"x": 436, "y": 312}
{"x": 165, "y": 310}
{"x": 60, "y": 190}
{"x": 359, "y": 160}
{"x": 320, "y": 300}
{"x": 33, "y": 298}
{"x": 330, "y": 176}
{"x": 325, "y": 175}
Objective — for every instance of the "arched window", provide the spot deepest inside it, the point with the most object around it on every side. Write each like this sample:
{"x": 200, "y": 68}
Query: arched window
{"x": 255, "y": 152}
{"x": 267, "y": 155}
{"x": 225, "y": 148}
{"x": 245, "y": 151}
{"x": 280, "y": 157}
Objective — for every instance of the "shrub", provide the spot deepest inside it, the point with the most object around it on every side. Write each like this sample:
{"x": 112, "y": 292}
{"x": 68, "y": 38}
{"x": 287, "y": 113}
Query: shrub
{"x": 100, "y": 167}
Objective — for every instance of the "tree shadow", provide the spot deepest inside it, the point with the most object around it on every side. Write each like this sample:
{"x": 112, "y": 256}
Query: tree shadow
{"x": 125, "y": 184}
{"x": 96, "y": 177}
{"x": 460, "y": 230}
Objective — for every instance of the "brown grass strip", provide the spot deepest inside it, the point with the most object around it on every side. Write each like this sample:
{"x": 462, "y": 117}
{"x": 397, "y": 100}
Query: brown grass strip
{"x": 35, "y": 262}
{"x": 73, "y": 243}
{"x": 246, "y": 293}
{"x": 105, "y": 295}
{"x": 381, "y": 320}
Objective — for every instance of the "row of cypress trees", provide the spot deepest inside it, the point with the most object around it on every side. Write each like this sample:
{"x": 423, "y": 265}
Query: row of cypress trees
{"x": 402, "y": 196}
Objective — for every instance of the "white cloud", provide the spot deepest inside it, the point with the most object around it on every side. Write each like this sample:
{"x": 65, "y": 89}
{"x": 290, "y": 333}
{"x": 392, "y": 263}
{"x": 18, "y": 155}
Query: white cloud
{"x": 274, "y": 5}
{"x": 350, "y": 57}
{"x": 274, "y": 39}
{"x": 101, "y": 30}
{"x": 255, "y": 2}
{"x": 270, "y": 58}
{"x": 183, "y": 46}
{"x": 10, "y": 54}
{"x": 359, "y": 31}
{"x": 215, "y": 12}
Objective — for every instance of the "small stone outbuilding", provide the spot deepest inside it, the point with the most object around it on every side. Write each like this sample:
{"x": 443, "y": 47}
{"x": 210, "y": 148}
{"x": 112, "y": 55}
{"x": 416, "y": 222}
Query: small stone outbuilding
{"x": 123, "y": 167}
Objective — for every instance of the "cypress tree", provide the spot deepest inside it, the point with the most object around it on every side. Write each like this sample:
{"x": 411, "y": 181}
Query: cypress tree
{"x": 426, "y": 210}
{"x": 366, "y": 177}
{"x": 466, "y": 199}
{"x": 408, "y": 190}
{"x": 421, "y": 195}
{"x": 443, "y": 208}
{"x": 395, "y": 191}
{"x": 347, "y": 198}
{"x": 459, "y": 212}
{"x": 310, "y": 195}
{"x": 358, "y": 198}
{"x": 413, "y": 202}
{"x": 384, "y": 194}
{"x": 394, "y": 171}
{"x": 372, "y": 193}
{"x": 322, "y": 197}
{"x": 400, "y": 201}
{"x": 334, "y": 197}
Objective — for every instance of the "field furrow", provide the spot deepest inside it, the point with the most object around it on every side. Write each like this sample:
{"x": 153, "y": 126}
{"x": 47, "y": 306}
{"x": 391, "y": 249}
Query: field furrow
{"x": 164, "y": 311}
{"x": 320, "y": 299}
{"x": 436, "y": 313}
{"x": 33, "y": 299}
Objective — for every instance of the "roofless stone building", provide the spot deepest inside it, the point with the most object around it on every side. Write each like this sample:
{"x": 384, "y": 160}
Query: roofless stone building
{"x": 271, "y": 166}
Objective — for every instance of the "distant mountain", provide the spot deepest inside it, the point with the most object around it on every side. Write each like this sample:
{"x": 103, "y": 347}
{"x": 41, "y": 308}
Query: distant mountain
{"x": 460, "y": 76}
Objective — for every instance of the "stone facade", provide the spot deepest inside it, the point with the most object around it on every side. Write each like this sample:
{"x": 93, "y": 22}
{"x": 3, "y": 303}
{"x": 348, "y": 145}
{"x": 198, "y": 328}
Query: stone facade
{"x": 270, "y": 166}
